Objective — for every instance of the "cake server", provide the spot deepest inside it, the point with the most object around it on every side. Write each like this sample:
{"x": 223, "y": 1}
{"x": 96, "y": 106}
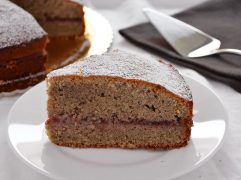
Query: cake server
{"x": 187, "y": 40}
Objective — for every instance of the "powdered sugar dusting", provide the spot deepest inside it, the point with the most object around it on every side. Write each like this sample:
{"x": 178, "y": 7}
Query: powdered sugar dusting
{"x": 129, "y": 66}
{"x": 17, "y": 26}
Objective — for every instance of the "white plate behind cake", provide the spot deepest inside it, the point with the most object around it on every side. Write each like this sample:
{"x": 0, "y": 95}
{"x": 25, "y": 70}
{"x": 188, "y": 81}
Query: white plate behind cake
{"x": 29, "y": 142}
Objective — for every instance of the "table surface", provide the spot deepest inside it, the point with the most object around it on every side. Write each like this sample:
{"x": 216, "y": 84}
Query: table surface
{"x": 226, "y": 164}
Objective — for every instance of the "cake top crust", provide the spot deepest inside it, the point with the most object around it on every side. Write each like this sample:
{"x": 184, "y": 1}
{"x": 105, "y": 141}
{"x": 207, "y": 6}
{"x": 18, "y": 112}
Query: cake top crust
{"x": 17, "y": 26}
{"x": 128, "y": 66}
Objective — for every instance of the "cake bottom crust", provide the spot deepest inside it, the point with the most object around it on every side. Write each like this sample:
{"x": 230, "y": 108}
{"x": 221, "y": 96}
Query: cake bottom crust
{"x": 117, "y": 135}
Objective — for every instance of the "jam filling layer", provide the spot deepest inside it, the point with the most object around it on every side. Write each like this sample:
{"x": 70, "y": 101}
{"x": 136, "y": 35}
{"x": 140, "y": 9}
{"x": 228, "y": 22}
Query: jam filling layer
{"x": 71, "y": 120}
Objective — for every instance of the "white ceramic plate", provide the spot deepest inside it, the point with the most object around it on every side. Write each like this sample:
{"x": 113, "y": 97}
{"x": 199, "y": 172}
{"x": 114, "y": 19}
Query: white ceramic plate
{"x": 28, "y": 139}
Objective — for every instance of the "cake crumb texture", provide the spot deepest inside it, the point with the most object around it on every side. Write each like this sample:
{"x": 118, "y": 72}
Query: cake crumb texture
{"x": 129, "y": 136}
{"x": 119, "y": 100}
{"x": 129, "y": 66}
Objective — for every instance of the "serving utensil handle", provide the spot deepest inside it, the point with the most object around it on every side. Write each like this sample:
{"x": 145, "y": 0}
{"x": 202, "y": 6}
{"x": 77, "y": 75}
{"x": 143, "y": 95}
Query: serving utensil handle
{"x": 228, "y": 51}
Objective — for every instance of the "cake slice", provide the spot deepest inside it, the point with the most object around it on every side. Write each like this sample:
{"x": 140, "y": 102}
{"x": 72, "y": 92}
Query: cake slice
{"x": 119, "y": 100}
{"x": 22, "y": 48}
{"x": 60, "y": 18}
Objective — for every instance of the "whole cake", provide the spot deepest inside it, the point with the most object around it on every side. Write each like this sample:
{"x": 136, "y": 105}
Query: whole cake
{"x": 60, "y": 18}
{"x": 118, "y": 100}
{"x": 23, "y": 41}
{"x": 22, "y": 48}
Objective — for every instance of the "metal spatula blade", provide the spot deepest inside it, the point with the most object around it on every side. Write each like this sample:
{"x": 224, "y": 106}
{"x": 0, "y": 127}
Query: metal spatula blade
{"x": 187, "y": 40}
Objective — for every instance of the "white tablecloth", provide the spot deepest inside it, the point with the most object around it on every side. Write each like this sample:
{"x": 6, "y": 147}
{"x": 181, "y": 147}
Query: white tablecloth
{"x": 226, "y": 164}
